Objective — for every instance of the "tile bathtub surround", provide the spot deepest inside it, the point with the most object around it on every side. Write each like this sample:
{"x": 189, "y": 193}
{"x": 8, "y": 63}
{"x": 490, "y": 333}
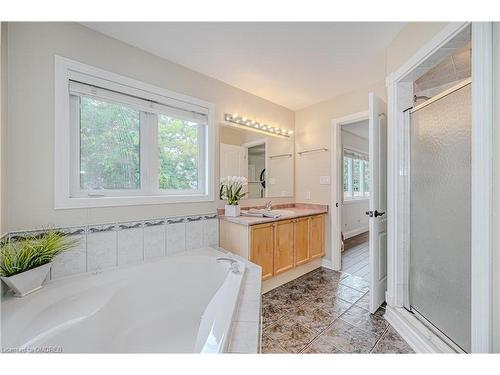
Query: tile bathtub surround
{"x": 325, "y": 311}
{"x": 110, "y": 245}
{"x": 244, "y": 336}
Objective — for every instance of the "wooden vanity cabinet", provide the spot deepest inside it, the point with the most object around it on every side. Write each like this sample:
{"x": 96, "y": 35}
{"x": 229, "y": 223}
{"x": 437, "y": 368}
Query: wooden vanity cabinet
{"x": 283, "y": 246}
{"x": 301, "y": 240}
{"x": 317, "y": 236}
{"x": 262, "y": 248}
{"x": 277, "y": 246}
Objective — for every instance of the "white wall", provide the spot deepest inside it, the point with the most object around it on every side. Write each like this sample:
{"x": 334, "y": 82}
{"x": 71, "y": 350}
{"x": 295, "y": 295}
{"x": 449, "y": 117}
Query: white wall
{"x": 408, "y": 41}
{"x": 354, "y": 219}
{"x": 30, "y": 178}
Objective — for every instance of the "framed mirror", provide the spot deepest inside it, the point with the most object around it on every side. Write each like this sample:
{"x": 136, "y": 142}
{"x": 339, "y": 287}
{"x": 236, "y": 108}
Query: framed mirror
{"x": 265, "y": 160}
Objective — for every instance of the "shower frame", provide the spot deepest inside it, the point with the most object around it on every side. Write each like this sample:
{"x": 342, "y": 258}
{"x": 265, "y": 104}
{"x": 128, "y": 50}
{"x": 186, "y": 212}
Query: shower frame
{"x": 400, "y": 97}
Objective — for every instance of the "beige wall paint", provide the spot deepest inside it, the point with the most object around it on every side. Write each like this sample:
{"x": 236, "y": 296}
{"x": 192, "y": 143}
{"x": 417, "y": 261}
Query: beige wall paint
{"x": 313, "y": 130}
{"x": 31, "y": 50}
{"x": 496, "y": 187}
{"x": 408, "y": 41}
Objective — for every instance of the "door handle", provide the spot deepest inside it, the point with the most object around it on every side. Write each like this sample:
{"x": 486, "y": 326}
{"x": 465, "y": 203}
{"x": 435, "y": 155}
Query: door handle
{"x": 374, "y": 213}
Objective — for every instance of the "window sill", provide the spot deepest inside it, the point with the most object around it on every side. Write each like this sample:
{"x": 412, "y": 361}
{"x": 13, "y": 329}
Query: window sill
{"x": 355, "y": 200}
{"x": 88, "y": 202}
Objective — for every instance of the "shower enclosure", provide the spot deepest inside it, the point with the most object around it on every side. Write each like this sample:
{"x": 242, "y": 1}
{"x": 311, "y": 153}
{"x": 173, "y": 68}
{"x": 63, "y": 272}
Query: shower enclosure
{"x": 440, "y": 213}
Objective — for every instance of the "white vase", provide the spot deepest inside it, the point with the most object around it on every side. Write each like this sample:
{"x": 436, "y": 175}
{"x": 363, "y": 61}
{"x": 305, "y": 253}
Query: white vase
{"x": 27, "y": 282}
{"x": 232, "y": 210}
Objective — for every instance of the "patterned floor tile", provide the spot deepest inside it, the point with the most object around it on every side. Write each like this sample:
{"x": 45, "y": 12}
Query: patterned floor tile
{"x": 364, "y": 302}
{"x": 392, "y": 343}
{"x": 348, "y": 294}
{"x": 330, "y": 303}
{"x": 325, "y": 311}
{"x": 291, "y": 336}
{"x": 312, "y": 317}
{"x": 348, "y": 338}
{"x": 270, "y": 346}
{"x": 362, "y": 318}
{"x": 322, "y": 345}
{"x": 272, "y": 313}
{"x": 356, "y": 282}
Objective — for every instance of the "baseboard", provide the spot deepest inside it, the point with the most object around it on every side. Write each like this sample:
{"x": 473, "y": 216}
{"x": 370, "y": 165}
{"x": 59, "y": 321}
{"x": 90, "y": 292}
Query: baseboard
{"x": 355, "y": 232}
{"x": 420, "y": 338}
{"x": 327, "y": 264}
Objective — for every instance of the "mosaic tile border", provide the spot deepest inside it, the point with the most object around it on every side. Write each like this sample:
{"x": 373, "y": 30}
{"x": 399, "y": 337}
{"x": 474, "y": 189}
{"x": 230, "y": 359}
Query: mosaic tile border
{"x": 109, "y": 245}
{"x": 106, "y": 227}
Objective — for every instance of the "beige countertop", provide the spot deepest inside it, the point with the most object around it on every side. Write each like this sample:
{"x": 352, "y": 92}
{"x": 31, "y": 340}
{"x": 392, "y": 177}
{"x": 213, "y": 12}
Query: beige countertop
{"x": 296, "y": 210}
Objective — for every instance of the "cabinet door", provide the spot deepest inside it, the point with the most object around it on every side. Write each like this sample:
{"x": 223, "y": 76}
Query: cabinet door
{"x": 262, "y": 248}
{"x": 283, "y": 246}
{"x": 301, "y": 234}
{"x": 317, "y": 236}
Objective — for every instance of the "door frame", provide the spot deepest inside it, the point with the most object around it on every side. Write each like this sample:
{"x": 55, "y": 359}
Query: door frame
{"x": 399, "y": 98}
{"x": 336, "y": 186}
{"x": 258, "y": 142}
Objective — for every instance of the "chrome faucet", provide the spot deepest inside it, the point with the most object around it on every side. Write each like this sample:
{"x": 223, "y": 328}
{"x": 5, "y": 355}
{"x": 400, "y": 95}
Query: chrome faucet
{"x": 269, "y": 205}
{"x": 233, "y": 263}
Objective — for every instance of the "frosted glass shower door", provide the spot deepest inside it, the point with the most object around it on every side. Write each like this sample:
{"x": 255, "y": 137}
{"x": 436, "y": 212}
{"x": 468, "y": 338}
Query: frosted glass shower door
{"x": 440, "y": 207}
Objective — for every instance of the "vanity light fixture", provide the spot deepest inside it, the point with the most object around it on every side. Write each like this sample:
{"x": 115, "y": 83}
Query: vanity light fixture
{"x": 239, "y": 120}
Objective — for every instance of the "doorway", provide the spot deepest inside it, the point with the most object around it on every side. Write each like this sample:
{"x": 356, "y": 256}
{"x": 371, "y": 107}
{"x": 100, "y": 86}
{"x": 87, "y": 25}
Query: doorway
{"x": 355, "y": 199}
{"x": 360, "y": 179}
{"x": 256, "y": 152}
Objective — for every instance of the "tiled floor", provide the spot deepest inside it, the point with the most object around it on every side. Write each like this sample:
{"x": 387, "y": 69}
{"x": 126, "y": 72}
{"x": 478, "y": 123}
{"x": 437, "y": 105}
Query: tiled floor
{"x": 325, "y": 311}
{"x": 355, "y": 256}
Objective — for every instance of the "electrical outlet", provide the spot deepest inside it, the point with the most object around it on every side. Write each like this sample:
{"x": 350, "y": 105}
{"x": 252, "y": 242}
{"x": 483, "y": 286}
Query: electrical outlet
{"x": 308, "y": 195}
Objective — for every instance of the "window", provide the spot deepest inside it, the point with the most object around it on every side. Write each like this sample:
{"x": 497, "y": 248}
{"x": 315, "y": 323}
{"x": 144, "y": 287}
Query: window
{"x": 122, "y": 142}
{"x": 356, "y": 175}
{"x": 109, "y": 145}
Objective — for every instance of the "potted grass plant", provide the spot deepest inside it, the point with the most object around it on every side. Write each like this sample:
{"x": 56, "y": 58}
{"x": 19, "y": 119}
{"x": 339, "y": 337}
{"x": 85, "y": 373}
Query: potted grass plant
{"x": 25, "y": 263}
{"x": 231, "y": 188}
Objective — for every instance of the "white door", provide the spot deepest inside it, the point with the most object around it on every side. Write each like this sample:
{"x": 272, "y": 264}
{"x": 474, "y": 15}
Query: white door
{"x": 378, "y": 198}
{"x": 233, "y": 161}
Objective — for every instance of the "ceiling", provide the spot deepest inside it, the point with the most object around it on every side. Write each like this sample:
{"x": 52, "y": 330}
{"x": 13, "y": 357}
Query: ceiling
{"x": 453, "y": 69}
{"x": 291, "y": 64}
{"x": 359, "y": 128}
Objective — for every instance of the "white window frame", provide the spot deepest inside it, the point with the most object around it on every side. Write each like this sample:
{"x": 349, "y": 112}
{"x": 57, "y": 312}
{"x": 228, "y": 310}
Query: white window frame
{"x": 350, "y": 193}
{"x": 66, "y": 154}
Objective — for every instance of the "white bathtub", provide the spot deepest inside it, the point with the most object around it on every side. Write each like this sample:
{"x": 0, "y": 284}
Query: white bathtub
{"x": 177, "y": 304}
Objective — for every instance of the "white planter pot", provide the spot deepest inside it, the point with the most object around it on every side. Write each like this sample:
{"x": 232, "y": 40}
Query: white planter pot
{"x": 27, "y": 282}
{"x": 232, "y": 210}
